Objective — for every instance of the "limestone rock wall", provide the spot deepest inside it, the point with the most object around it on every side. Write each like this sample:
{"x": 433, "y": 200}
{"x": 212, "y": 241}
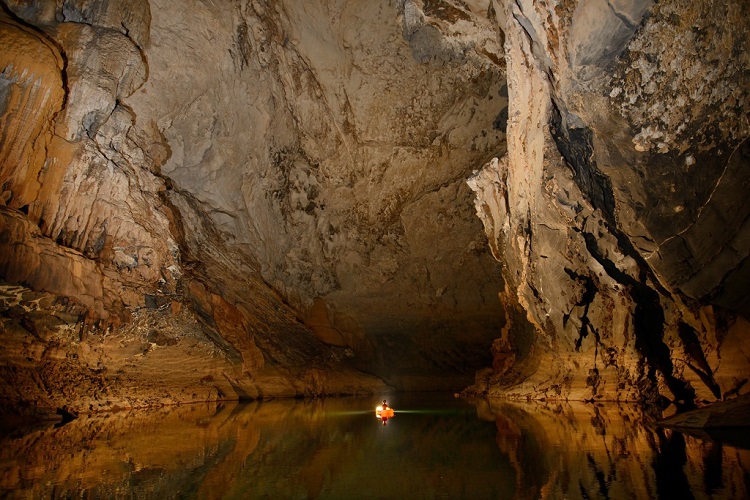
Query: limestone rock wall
{"x": 281, "y": 185}
{"x": 108, "y": 313}
{"x": 620, "y": 208}
{"x": 321, "y": 138}
{"x": 274, "y": 187}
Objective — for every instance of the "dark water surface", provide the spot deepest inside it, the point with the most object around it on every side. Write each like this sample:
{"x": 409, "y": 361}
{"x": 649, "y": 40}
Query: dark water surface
{"x": 434, "y": 447}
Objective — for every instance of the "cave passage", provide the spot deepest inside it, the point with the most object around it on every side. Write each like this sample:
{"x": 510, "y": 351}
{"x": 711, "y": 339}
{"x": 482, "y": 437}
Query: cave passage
{"x": 204, "y": 201}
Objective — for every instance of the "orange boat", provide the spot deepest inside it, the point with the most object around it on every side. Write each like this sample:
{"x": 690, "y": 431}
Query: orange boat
{"x": 384, "y": 413}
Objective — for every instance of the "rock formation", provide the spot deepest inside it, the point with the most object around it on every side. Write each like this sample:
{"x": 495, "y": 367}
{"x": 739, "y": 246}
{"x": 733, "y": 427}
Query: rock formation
{"x": 252, "y": 199}
{"x": 248, "y": 200}
{"x": 620, "y": 209}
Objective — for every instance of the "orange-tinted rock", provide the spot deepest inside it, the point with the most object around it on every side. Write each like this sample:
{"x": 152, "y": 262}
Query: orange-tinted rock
{"x": 33, "y": 88}
{"x": 289, "y": 180}
{"x": 611, "y": 207}
{"x": 319, "y": 322}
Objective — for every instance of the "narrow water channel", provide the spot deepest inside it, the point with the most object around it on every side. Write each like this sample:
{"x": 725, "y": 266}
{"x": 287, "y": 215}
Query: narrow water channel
{"x": 434, "y": 447}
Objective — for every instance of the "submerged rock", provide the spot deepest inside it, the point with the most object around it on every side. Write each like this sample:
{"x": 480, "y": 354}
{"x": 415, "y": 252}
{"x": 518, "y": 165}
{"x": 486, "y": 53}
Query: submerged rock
{"x": 730, "y": 413}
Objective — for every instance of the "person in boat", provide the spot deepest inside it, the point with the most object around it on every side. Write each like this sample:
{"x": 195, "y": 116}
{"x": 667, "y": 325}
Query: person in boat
{"x": 383, "y": 413}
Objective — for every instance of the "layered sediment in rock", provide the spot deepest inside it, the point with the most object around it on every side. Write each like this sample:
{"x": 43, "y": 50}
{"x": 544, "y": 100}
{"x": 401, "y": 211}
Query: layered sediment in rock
{"x": 279, "y": 188}
{"x": 620, "y": 208}
{"x": 259, "y": 199}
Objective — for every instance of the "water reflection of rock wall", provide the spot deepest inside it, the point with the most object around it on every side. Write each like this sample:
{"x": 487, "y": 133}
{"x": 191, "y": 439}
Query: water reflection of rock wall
{"x": 278, "y": 449}
{"x": 610, "y": 451}
{"x": 173, "y": 450}
{"x": 334, "y": 448}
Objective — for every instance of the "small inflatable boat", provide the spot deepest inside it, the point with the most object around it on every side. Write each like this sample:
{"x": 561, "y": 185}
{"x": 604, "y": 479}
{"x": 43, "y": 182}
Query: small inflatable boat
{"x": 381, "y": 412}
